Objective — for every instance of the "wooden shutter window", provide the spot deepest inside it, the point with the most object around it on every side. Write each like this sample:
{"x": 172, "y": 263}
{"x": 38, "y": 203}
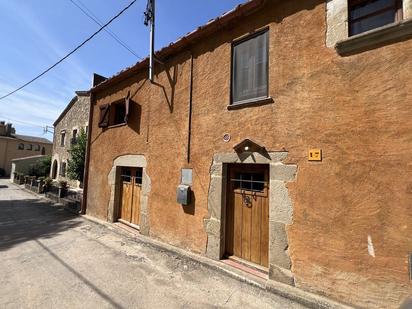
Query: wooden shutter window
{"x": 127, "y": 107}
{"x": 104, "y": 116}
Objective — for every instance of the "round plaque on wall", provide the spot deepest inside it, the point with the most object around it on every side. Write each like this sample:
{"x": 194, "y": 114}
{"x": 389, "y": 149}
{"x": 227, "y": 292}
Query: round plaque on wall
{"x": 226, "y": 137}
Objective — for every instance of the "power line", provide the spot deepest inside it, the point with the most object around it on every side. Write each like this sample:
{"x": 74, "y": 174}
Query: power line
{"x": 70, "y": 53}
{"x": 93, "y": 17}
{"x": 29, "y": 124}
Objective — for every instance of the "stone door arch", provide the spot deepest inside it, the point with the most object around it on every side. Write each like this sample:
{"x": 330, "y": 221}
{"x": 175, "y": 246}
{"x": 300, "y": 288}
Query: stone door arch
{"x": 280, "y": 204}
{"x": 114, "y": 182}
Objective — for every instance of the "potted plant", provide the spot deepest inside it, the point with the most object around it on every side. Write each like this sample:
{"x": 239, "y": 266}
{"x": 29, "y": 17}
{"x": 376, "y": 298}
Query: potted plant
{"x": 47, "y": 183}
{"x": 62, "y": 188}
{"x": 20, "y": 178}
{"x": 26, "y": 179}
{"x": 40, "y": 182}
{"x": 16, "y": 177}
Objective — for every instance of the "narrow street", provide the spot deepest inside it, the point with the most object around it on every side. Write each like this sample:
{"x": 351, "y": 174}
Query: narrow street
{"x": 53, "y": 259}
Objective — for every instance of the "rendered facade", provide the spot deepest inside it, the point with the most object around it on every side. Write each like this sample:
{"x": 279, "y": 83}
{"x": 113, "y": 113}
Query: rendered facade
{"x": 14, "y": 146}
{"x": 286, "y": 139}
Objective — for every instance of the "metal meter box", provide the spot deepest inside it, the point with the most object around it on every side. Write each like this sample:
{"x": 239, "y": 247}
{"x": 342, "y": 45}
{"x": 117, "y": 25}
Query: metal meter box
{"x": 183, "y": 194}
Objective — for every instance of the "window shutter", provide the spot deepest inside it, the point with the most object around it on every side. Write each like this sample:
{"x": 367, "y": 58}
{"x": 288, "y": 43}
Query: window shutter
{"x": 104, "y": 116}
{"x": 127, "y": 107}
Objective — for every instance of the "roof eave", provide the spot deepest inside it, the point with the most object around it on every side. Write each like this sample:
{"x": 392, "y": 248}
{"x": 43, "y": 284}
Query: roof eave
{"x": 242, "y": 10}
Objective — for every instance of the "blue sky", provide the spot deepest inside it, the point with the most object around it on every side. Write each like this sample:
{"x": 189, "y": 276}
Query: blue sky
{"x": 37, "y": 33}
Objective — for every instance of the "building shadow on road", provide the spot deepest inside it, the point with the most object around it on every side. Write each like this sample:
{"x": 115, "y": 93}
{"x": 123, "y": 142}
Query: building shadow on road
{"x": 30, "y": 219}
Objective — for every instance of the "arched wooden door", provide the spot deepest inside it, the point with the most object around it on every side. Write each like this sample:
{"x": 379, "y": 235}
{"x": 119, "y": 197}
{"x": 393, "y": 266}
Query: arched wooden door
{"x": 131, "y": 187}
{"x": 247, "y": 213}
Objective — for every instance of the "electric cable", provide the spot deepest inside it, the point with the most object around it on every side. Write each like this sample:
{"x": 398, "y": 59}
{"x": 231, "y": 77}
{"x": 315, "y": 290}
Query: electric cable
{"x": 70, "y": 53}
{"x": 93, "y": 17}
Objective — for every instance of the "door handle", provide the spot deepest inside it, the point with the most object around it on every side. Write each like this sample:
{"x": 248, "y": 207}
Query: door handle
{"x": 247, "y": 201}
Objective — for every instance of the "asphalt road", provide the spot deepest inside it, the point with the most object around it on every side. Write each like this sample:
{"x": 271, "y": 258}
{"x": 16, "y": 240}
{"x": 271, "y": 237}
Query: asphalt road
{"x": 53, "y": 259}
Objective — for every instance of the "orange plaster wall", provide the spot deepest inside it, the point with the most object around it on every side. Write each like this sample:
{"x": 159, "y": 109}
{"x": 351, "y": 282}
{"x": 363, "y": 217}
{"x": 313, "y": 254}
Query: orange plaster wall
{"x": 357, "y": 109}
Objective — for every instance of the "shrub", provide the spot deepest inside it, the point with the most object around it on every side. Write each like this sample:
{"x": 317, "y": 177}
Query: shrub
{"x": 63, "y": 184}
{"x": 47, "y": 183}
{"x": 75, "y": 165}
{"x": 45, "y": 165}
{"x": 40, "y": 168}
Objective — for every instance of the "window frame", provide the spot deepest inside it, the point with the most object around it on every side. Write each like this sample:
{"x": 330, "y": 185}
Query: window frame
{"x": 63, "y": 138}
{"x": 62, "y": 169}
{"x": 75, "y": 135}
{"x": 113, "y": 113}
{"x": 398, "y": 7}
{"x": 29, "y": 147}
{"x": 237, "y": 42}
{"x": 20, "y": 146}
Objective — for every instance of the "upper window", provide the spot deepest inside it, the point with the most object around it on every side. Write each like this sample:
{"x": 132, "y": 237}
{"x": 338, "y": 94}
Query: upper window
{"x": 37, "y": 147}
{"x": 21, "y": 146}
{"x": 74, "y": 136}
{"x": 115, "y": 113}
{"x": 365, "y": 15}
{"x": 62, "y": 138}
{"x": 250, "y": 58}
{"x": 118, "y": 115}
{"x": 29, "y": 147}
{"x": 63, "y": 169}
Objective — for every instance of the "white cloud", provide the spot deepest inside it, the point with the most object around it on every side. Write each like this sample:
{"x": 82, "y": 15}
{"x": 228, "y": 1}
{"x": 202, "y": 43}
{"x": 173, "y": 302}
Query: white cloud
{"x": 41, "y": 102}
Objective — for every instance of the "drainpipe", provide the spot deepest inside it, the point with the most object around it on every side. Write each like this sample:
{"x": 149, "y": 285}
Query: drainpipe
{"x": 189, "y": 132}
{"x": 87, "y": 159}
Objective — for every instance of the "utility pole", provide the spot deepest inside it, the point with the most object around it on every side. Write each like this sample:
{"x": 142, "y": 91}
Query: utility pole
{"x": 150, "y": 19}
{"x": 47, "y": 128}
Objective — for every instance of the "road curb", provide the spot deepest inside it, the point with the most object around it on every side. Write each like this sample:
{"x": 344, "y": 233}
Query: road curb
{"x": 295, "y": 294}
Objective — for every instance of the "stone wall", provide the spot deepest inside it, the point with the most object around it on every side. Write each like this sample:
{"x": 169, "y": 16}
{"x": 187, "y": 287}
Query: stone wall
{"x": 355, "y": 108}
{"x": 77, "y": 117}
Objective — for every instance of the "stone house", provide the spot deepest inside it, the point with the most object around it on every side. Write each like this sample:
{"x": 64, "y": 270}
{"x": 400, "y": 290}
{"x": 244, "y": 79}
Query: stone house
{"x": 67, "y": 127}
{"x": 14, "y": 146}
{"x": 276, "y": 136}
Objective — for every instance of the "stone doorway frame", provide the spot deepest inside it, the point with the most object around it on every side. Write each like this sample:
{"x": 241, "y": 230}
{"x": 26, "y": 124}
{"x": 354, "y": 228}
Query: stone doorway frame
{"x": 114, "y": 182}
{"x": 280, "y": 207}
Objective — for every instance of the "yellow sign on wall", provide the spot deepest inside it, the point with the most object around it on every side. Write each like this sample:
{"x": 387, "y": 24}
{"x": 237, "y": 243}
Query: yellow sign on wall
{"x": 315, "y": 155}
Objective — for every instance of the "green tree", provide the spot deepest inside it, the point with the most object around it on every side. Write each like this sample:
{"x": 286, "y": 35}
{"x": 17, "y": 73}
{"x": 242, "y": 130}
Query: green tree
{"x": 45, "y": 165}
{"x": 41, "y": 168}
{"x": 77, "y": 151}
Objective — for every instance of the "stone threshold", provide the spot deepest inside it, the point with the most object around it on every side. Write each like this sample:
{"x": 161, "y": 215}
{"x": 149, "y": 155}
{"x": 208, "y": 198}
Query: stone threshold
{"x": 295, "y": 294}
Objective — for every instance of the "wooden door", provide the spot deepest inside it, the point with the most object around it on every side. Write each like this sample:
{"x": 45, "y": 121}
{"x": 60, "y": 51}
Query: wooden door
{"x": 131, "y": 182}
{"x": 247, "y": 213}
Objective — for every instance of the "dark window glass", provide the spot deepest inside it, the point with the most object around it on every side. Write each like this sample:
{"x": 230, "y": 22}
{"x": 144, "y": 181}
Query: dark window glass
{"x": 29, "y": 147}
{"x": 119, "y": 113}
{"x": 126, "y": 174}
{"x": 74, "y": 138}
{"x": 250, "y": 68}
{"x": 249, "y": 181}
{"x": 37, "y": 148}
{"x": 139, "y": 173}
{"x": 365, "y": 15}
{"x": 63, "y": 169}
{"x": 62, "y": 138}
{"x": 21, "y": 146}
